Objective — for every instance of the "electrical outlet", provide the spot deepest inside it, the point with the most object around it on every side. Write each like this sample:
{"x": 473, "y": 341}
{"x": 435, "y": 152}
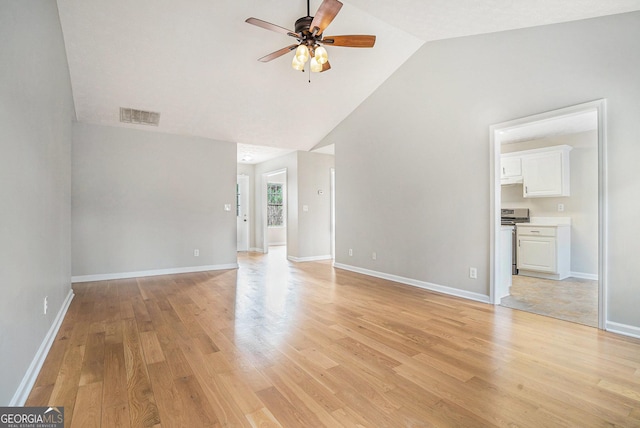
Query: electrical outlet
{"x": 351, "y": 251}
{"x": 46, "y": 305}
{"x": 473, "y": 273}
{"x": 560, "y": 207}
{"x": 227, "y": 207}
{"x": 374, "y": 256}
{"x": 196, "y": 253}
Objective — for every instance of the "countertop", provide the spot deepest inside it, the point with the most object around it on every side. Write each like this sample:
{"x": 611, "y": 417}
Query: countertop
{"x": 548, "y": 222}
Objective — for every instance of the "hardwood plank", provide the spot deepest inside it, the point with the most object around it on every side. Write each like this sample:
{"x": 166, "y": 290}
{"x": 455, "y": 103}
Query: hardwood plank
{"x": 151, "y": 347}
{"x": 116, "y": 416}
{"x": 142, "y": 407}
{"x": 87, "y": 412}
{"x": 263, "y": 418}
{"x": 169, "y": 399}
{"x": 115, "y": 376}
{"x": 93, "y": 361}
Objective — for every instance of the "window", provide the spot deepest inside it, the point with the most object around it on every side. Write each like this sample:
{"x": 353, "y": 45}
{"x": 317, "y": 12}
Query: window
{"x": 275, "y": 206}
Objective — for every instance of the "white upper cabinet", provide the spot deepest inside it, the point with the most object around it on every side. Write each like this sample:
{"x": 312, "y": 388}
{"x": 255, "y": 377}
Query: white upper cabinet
{"x": 545, "y": 172}
{"x": 510, "y": 170}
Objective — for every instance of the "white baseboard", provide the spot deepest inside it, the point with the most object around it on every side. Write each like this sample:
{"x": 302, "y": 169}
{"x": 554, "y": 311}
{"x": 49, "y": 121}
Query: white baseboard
{"x": 277, "y": 244}
{"x": 416, "y": 283}
{"x": 29, "y": 379}
{"x": 125, "y": 275}
{"x": 582, "y": 275}
{"x": 624, "y": 329}
{"x": 309, "y": 259}
{"x": 256, "y": 250}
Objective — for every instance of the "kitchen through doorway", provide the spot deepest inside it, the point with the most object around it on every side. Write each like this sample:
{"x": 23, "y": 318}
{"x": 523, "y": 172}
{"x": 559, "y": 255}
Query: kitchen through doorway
{"x": 550, "y": 262}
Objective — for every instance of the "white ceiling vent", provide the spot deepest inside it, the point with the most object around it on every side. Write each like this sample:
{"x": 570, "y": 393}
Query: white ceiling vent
{"x": 141, "y": 117}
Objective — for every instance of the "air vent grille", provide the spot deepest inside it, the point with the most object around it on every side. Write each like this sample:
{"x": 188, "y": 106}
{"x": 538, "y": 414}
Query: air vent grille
{"x": 142, "y": 117}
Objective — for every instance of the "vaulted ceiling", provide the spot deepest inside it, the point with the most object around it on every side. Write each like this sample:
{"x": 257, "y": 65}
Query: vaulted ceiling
{"x": 195, "y": 61}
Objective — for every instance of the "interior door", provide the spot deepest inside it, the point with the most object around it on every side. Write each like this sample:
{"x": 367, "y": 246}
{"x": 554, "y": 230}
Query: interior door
{"x": 242, "y": 212}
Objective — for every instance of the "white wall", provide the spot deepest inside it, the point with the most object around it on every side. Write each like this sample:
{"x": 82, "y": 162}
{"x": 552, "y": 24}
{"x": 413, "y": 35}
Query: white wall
{"x": 143, "y": 201}
{"x": 581, "y": 206}
{"x": 36, "y": 110}
{"x": 412, "y": 162}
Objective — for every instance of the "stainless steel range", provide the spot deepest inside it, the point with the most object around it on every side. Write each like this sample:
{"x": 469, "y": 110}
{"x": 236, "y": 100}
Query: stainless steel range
{"x": 511, "y": 217}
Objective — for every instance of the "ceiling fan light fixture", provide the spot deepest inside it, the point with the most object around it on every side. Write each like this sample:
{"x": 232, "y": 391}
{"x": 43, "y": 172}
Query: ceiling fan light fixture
{"x": 316, "y": 67}
{"x": 321, "y": 55}
{"x": 302, "y": 53}
{"x": 296, "y": 64}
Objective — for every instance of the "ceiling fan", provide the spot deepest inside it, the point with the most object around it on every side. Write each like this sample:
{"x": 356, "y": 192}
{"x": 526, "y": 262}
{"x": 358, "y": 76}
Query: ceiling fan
{"x": 309, "y": 33}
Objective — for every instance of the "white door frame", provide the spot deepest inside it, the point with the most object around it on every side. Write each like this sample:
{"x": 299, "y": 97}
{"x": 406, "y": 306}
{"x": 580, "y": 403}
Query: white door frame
{"x": 333, "y": 213}
{"x": 243, "y": 182}
{"x": 263, "y": 205}
{"x": 495, "y": 195}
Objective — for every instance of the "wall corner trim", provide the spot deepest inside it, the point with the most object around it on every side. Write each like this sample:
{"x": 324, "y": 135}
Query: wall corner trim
{"x": 624, "y": 329}
{"x": 416, "y": 283}
{"x": 139, "y": 274}
{"x": 29, "y": 379}
{"x": 309, "y": 259}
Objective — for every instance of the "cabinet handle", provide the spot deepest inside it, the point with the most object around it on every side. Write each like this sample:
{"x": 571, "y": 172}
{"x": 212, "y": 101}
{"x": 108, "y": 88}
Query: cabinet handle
{"x": 503, "y": 171}
{"x": 526, "y": 189}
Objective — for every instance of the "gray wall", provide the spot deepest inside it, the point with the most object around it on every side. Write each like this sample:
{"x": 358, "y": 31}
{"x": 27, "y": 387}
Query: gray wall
{"x": 412, "y": 162}
{"x": 581, "y": 206}
{"x": 314, "y": 226}
{"x": 36, "y": 110}
{"x": 144, "y": 201}
{"x": 249, "y": 171}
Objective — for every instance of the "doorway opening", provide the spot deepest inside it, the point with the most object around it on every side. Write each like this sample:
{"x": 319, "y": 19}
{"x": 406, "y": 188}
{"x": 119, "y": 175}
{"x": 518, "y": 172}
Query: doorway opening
{"x": 274, "y": 210}
{"x": 552, "y": 164}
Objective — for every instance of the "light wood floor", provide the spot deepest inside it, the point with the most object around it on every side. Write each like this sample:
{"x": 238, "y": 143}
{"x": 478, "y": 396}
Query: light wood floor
{"x": 303, "y": 345}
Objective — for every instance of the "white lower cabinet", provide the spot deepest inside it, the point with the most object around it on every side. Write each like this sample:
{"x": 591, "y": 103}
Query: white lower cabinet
{"x": 544, "y": 251}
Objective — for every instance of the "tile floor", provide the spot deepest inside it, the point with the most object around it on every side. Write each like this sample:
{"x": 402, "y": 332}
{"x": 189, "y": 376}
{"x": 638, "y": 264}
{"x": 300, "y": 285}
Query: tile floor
{"x": 571, "y": 299}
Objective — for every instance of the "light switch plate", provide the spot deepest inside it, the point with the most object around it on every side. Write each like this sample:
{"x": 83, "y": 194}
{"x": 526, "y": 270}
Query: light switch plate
{"x": 227, "y": 207}
{"x": 305, "y": 208}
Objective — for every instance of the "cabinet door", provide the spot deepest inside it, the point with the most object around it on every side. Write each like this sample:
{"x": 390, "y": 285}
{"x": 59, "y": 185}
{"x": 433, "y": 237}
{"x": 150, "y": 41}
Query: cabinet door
{"x": 537, "y": 254}
{"x": 510, "y": 167}
{"x": 542, "y": 174}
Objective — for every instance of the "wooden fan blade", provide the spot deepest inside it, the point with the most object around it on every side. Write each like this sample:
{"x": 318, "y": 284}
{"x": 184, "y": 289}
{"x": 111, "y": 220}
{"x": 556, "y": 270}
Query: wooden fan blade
{"x": 350, "y": 41}
{"x": 325, "y": 14}
{"x": 326, "y": 66}
{"x": 273, "y": 27}
{"x": 278, "y": 53}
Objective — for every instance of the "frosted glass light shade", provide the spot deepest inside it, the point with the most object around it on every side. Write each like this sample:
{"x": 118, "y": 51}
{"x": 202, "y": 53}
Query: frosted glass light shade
{"x": 297, "y": 65}
{"x": 302, "y": 53}
{"x": 316, "y": 67}
{"x": 321, "y": 55}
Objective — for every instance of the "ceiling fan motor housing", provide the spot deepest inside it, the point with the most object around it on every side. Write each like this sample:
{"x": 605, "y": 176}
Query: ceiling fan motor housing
{"x": 302, "y": 26}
